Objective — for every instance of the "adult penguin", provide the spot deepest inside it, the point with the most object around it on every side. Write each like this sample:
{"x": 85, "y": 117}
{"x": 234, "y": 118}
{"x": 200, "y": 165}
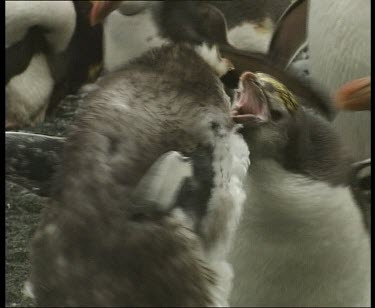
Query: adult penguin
{"x": 46, "y": 56}
{"x": 302, "y": 240}
{"x": 33, "y": 28}
{"x": 136, "y": 26}
{"x": 251, "y": 24}
{"x": 341, "y": 56}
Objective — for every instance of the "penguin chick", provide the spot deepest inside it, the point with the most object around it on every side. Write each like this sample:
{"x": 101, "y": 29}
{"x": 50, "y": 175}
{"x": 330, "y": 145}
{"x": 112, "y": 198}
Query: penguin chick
{"x": 100, "y": 245}
{"x": 301, "y": 241}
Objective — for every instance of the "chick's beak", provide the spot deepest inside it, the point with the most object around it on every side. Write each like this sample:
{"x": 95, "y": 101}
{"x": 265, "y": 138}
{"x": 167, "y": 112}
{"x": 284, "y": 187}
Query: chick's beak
{"x": 250, "y": 104}
{"x": 101, "y": 9}
{"x": 355, "y": 95}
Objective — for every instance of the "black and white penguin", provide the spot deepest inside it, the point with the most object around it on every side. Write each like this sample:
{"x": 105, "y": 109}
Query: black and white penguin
{"x": 50, "y": 47}
{"x": 251, "y": 24}
{"x": 32, "y": 28}
{"x": 97, "y": 244}
{"x": 301, "y": 241}
{"x": 136, "y": 26}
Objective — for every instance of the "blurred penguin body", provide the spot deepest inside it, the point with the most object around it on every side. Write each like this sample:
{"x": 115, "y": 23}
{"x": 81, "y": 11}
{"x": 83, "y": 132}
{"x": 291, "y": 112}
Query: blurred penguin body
{"x": 128, "y": 36}
{"x": 302, "y": 240}
{"x": 106, "y": 236}
{"x": 50, "y": 49}
{"x": 43, "y": 26}
{"x": 251, "y": 23}
{"x": 27, "y": 94}
{"x": 133, "y": 29}
{"x": 341, "y": 55}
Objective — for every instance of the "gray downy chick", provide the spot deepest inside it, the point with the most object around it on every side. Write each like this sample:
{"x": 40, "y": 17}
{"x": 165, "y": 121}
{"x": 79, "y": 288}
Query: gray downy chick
{"x": 301, "y": 241}
{"x": 99, "y": 243}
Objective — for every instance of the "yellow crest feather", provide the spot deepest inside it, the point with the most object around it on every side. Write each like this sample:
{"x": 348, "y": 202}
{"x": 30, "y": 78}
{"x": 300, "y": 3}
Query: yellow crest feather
{"x": 286, "y": 96}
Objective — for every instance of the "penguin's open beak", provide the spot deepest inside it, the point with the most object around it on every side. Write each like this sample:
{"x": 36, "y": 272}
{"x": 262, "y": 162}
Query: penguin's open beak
{"x": 101, "y": 9}
{"x": 355, "y": 95}
{"x": 250, "y": 102}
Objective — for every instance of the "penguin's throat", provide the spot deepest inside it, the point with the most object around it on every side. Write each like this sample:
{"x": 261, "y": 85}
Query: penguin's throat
{"x": 250, "y": 104}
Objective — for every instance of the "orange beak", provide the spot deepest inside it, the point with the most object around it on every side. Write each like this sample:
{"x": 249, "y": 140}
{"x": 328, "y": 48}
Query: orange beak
{"x": 355, "y": 95}
{"x": 101, "y": 9}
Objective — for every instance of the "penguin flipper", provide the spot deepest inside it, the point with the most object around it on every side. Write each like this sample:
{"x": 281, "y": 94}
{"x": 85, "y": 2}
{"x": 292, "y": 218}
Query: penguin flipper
{"x": 163, "y": 181}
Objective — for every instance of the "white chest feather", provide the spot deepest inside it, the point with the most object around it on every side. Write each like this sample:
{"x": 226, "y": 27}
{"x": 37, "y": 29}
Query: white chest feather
{"x": 27, "y": 94}
{"x": 127, "y": 37}
{"x": 300, "y": 243}
{"x": 252, "y": 37}
{"x": 230, "y": 164}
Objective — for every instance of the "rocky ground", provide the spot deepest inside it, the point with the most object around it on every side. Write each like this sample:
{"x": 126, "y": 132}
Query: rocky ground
{"x": 23, "y": 210}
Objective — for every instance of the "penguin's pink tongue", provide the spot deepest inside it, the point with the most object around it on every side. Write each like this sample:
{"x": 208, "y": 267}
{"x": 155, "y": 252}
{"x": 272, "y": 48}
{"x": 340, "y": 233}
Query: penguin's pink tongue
{"x": 250, "y": 104}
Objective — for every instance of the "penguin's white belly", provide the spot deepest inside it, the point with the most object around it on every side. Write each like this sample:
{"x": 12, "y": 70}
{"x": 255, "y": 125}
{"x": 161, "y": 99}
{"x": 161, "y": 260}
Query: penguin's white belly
{"x": 251, "y": 36}
{"x": 27, "y": 94}
{"x": 301, "y": 243}
{"x": 127, "y": 37}
{"x": 340, "y": 55}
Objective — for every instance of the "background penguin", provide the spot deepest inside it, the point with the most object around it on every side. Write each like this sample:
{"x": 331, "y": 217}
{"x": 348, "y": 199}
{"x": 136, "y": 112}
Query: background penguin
{"x": 251, "y": 23}
{"x": 342, "y": 55}
{"x": 301, "y": 241}
{"x": 134, "y": 28}
{"x": 103, "y": 239}
{"x": 48, "y": 55}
